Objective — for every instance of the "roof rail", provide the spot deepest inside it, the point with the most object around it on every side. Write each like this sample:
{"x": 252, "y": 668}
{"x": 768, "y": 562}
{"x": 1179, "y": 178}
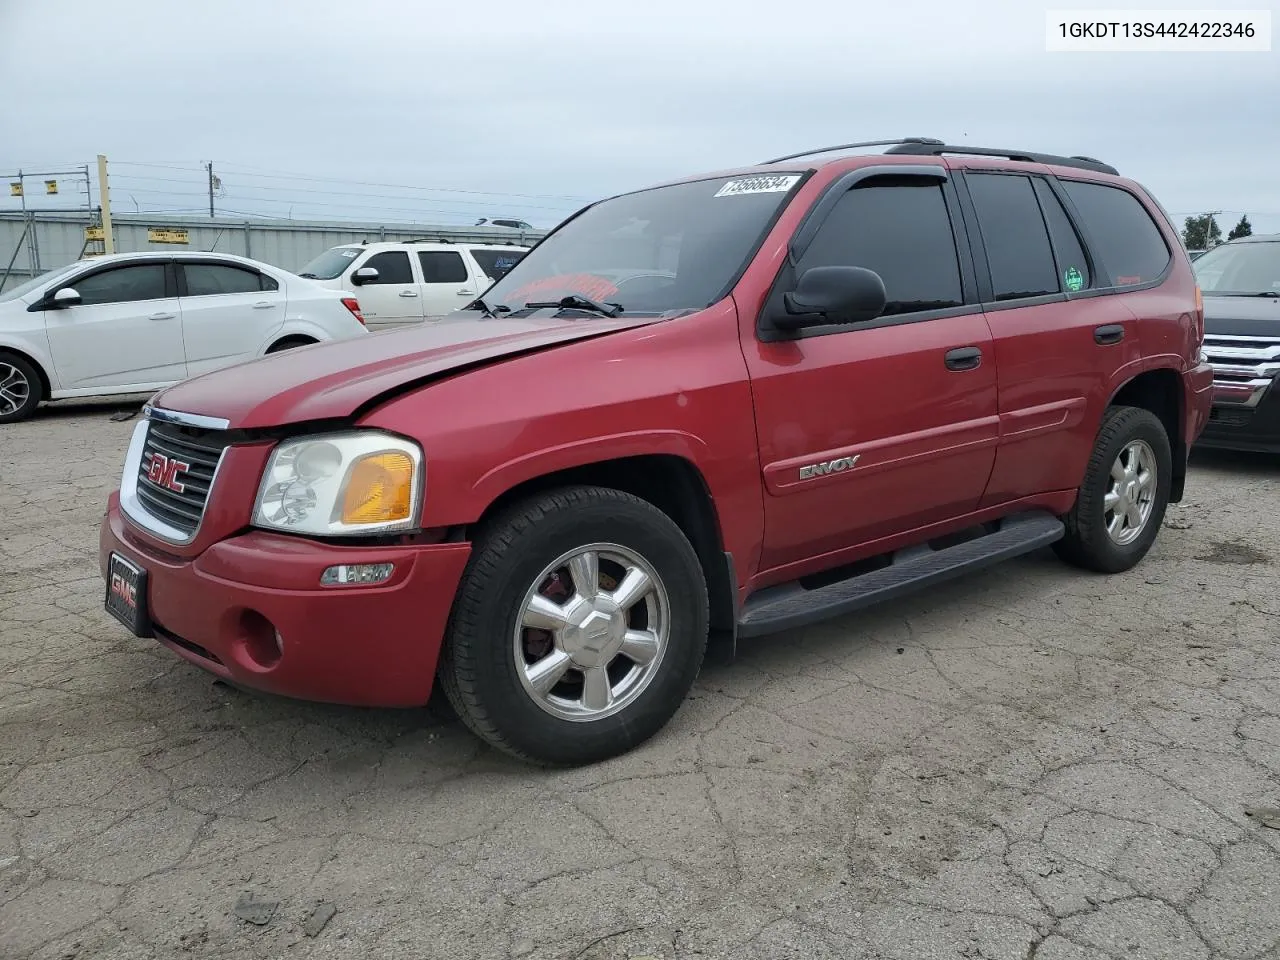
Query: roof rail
{"x": 849, "y": 146}
{"x": 429, "y": 240}
{"x": 936, "y": 148}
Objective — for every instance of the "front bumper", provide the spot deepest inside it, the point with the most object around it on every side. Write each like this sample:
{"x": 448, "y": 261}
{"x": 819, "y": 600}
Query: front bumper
{"x": 251, "y": 610}
{"x": 1233, "y": 426}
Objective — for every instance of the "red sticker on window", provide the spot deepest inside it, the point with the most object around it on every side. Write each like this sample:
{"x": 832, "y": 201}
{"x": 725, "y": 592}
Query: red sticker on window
{"x": 1126, "y": 281}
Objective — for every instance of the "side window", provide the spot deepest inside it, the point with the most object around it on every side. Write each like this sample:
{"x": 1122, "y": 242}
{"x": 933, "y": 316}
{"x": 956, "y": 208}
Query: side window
{"x": 211, "y": 279}
{"x": 442, "y": 266}
{"x": 392, "y": 266}
{"x": 902, "y": 231}
{"x": 144, "y": 281}
{"x": 496, "y": 264}
{"x": 1130, "y": 244}
{"x": 1073, "y": 265}
{"x": 1014, "y": 235}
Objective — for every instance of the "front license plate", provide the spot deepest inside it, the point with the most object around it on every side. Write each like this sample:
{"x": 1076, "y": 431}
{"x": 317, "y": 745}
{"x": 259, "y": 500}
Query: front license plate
{"x": 127, "y": 595}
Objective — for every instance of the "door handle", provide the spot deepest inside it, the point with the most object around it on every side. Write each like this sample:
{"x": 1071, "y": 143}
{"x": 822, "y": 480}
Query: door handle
{"x": 408, "y": 293}
{"x": 466, "y": 293}
{"x": 963, "y": 358}
{"x": 1111, "y": 333}
{"x": 263, "y": 305}
{"x": 163, "y": 316}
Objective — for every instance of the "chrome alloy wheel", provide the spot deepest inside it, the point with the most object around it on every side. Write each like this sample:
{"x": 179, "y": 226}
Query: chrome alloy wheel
{"x": 593, "y": 629}
{"x": 1131, "y": 492}
{"x": 15, "y": 389}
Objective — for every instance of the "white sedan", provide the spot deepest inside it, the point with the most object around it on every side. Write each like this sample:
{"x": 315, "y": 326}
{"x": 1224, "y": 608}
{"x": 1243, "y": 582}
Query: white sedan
{"x": 138, "y": 322}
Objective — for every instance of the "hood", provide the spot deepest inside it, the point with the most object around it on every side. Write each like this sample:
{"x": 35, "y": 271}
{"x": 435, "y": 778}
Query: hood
{"x": 336, "y": 378}
{"x": 1242, "y": 316}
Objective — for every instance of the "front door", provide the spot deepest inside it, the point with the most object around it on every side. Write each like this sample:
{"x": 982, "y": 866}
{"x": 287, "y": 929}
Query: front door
{"x": 393, "y": 299}
{"x": 126, "y": 331}
{"x": 447, "y": 283}
{"x": 871, "y": 429}
{"x": 228, "y": 313}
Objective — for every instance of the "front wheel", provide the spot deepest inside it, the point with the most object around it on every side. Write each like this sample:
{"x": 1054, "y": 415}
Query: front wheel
{"x": 20, "y": 388}
{"x": 1121, "y": 504}
{"x": 579, "y": 627}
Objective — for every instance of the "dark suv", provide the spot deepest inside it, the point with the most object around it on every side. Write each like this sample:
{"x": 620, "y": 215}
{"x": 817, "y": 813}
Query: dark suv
{"x": 1240, "y": 281}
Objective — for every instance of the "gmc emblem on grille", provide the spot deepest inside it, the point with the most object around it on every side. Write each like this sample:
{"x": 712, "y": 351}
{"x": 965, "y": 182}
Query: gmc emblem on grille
{"x": 839, "y": 465}
{"x": 164, "y": 472}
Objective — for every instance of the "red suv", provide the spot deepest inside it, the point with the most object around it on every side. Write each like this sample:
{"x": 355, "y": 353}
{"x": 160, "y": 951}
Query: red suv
{"x": 727, "y": 405}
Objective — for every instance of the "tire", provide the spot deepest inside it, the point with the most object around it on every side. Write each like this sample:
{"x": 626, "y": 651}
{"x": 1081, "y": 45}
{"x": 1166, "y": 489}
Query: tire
{"x": 21, "y": 389}
{"x": 484, "y": 665}
{"x": 289, "y": 342}
{"x": 1126, "y": 432}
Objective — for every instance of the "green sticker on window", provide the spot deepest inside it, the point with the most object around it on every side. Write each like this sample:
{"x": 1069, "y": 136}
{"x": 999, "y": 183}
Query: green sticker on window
{"x": 1073, "y": 279}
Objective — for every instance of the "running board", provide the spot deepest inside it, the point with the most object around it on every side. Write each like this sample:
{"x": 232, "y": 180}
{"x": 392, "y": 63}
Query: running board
{"x": 791, "y": 605}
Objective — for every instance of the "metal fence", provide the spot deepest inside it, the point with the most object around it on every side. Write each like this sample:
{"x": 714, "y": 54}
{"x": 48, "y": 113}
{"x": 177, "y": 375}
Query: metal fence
{"x": 34, "y": 241}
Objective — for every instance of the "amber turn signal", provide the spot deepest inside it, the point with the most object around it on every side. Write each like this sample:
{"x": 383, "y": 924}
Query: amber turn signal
{"x": 379, "y": 489}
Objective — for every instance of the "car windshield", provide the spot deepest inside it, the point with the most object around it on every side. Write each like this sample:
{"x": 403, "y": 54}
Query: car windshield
{"x": 1240, "y": 269}
{"x": 658, "y": 251}
{"x": 22, "y": 289}
{"x": 330, "y": 264}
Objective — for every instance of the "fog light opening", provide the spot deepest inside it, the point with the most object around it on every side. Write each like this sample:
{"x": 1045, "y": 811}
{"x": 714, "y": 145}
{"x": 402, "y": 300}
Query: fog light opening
{"x": 356, "y": 574}
{"x": 260, "y": 642}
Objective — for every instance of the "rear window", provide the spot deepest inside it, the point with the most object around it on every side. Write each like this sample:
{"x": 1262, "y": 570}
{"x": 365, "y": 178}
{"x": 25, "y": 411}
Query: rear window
{"x": 330, "y": 264}
{"x": 496, "y": 263}
{"x": 1128, "y": 242}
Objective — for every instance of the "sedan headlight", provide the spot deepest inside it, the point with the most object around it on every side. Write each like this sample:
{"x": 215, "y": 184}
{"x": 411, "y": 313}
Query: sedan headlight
{"x": 341, "y": 484}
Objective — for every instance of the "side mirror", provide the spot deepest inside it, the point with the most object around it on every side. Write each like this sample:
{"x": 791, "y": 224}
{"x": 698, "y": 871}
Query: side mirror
{"x": 364, "y": 275}
{"x": 836, "y": 294}
{"x": 66, "y": 297}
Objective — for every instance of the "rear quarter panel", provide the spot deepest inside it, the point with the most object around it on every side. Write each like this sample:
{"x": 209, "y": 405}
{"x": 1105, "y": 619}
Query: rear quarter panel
{"x": 677, "y": 387}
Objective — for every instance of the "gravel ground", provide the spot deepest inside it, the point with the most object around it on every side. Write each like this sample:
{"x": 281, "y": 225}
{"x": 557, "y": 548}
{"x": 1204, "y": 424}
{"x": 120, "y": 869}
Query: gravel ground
{"x": 1033, "y": 763}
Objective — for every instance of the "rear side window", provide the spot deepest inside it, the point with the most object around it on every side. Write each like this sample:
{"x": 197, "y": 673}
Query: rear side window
{"x": 1073, "y": 266}
{"x": 392, "y": 266}
{"x": 496, "y": 263}
{"x": 442, "y": 266}
{"x": 1015, "y": 237}
{"x": 902, "y": 231}
{"x": 211, "y": 279}
{"x": 122, "y": 285}
{"x": 1128, "y": 242}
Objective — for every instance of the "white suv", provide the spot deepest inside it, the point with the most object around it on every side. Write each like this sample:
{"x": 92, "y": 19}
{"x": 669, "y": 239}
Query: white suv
{"x": 413, "y": 281}
{"x": 138, "y": 322}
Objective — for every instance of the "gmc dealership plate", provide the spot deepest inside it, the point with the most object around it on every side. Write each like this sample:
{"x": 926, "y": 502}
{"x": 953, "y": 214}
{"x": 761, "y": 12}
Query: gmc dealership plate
{"x": 127, "y": 595}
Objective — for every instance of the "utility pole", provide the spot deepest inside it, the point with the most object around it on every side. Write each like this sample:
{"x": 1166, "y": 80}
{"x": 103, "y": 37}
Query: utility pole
{"x": 210, "y": 165}
{"x": 104, "y": 200}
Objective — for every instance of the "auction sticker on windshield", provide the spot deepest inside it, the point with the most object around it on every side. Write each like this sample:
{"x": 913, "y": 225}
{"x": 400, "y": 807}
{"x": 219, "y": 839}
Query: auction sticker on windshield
{"x": 762, "y": 184}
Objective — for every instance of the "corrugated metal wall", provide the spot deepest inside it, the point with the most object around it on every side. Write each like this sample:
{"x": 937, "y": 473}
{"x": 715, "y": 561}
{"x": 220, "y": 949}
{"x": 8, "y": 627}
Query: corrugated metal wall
{"x": 60, "y": 238}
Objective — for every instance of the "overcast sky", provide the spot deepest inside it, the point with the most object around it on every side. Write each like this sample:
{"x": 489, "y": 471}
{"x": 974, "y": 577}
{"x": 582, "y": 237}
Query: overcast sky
{"x": 427, "y": 109}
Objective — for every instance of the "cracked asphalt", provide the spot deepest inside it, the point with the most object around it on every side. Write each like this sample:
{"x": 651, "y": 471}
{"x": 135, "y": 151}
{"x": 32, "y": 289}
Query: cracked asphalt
{"x": 1032, "y": 763}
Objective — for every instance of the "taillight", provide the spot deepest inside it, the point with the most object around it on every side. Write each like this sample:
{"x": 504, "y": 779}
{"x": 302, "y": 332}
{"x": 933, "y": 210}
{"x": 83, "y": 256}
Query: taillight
{"x": 1199, "y": 315}
{"x": 352, "y": 304}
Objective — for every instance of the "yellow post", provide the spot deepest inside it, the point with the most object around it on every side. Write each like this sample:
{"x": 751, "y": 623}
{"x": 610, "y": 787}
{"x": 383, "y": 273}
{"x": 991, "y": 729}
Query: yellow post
{"x": 104, "y": 196}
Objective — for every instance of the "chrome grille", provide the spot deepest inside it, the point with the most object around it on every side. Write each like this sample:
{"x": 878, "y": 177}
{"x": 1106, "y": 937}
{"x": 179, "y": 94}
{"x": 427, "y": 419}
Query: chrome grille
{"x": 1243, "y": 367}
{"x": 176, "y": 471}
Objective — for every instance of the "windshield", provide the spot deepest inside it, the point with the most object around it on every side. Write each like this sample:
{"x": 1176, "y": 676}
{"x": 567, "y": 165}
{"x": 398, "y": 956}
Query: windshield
{"x": 330, "y": 264}
{"x": 36, "y": 283}
{"x": 1240, "y": 269}
{"x": 496, "y": 264}
{"x": 658, "y": 251}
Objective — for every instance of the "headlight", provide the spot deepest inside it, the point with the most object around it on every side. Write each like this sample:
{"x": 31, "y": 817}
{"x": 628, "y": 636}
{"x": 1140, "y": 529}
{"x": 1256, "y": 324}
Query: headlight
{"x": 341, "y": 484}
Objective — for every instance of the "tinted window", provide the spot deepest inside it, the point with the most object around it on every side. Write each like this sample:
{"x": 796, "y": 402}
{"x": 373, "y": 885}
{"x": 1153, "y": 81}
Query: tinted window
{"x": 442, "y": 266}
{"x": 1015, "y": 236}
{"x": 331, "y": 263}
{"x": 392, "y": 266}
{"x": 1073, "y": 266}
{"x": 210, "y": 279}
{"x": 496, "y": 263}
{"x": 1128, "y": 241}
{"x": 123, "y": 285}
{"x": 902, "y": 233}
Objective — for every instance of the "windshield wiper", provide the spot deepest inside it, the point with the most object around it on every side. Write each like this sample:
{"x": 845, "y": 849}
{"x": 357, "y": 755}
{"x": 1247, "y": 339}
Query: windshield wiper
{"x": 492, "y": 312}
{"x": 1261, "y": 293}
{"x": 576, "y": 301}
{"x": 309, "y": 276}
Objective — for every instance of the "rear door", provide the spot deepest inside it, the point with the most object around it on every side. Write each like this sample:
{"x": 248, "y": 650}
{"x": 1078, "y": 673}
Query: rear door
{"x": 229, "y": 311}
{"x": 1059, "y": 343}
{"x": 898, "y": 414}
{"x": 125, "y": 332}
{"x": 447, "y": 282}
{"x": 394, "y": 299}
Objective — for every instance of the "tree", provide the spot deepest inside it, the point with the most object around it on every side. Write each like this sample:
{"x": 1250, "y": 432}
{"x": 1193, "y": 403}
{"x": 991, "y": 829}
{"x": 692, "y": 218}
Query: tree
{"x": 1202, "y": 232}
{"x": 1242, "y": 229}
